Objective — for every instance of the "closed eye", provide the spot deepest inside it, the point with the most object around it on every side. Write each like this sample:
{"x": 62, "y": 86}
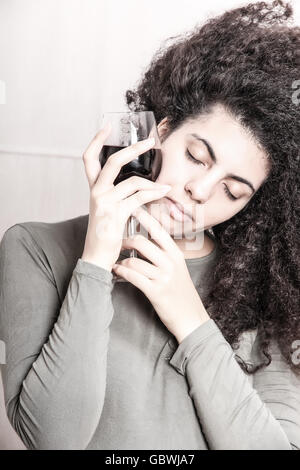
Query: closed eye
{"x": 190, "y": 156}
{"x": 231, "y": 196}
{"x": 198, "y": 162}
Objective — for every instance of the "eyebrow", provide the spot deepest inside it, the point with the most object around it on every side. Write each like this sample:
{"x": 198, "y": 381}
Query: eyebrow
{"x": 214, "y": 159}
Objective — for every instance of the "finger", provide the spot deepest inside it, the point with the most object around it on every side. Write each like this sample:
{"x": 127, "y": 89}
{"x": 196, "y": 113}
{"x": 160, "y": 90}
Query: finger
{"x": 132, "y": 185}
{"x": 132, "y": 276}
{"x": 131, "y": 203}
{"x": 156, "y": 231}
{"x": 114, "y": 163}
{"x": 147, "y": 249}
{"x": 91, "y": 155}
{"x": 125, "y": 207}
{"x": 142, "y": 267}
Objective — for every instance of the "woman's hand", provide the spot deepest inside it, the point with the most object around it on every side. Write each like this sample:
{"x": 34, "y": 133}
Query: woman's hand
{"x": 111, "y": 206}
{"x": 166, "y": 280}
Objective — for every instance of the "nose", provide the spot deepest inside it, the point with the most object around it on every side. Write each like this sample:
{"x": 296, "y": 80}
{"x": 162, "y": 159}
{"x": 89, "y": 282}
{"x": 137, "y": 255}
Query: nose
{"x": 199, "y": 191}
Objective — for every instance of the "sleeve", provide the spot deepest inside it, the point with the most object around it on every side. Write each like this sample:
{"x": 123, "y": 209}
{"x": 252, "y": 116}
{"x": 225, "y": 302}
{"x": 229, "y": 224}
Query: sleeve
{"x": 56, "y": 355}
{"x": 233, "y": 413}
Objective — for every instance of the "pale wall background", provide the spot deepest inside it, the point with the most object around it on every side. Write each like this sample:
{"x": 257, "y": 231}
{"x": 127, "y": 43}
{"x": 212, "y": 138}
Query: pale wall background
{"x": 62, "y": 63}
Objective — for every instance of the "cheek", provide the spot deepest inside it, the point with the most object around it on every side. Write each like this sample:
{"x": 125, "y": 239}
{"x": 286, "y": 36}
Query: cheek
{"x": 173, "y": 167}
{"x": 216, "y": 212}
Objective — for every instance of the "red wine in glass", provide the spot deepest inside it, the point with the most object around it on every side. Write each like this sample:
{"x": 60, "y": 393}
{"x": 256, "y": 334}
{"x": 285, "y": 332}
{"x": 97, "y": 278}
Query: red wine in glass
{"x": 142, "y": 166}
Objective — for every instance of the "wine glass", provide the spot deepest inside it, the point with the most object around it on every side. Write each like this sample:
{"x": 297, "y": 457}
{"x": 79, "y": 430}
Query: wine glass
{"x": 127, "y": 128}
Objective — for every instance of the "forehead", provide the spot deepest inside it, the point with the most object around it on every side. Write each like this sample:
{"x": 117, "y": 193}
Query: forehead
{"x": 234, "y": 146}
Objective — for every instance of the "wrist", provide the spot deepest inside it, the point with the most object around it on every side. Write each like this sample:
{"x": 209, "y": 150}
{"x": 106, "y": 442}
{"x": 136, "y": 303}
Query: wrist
{"x": 191, "y": 325}
{"x": 97, "y": 261}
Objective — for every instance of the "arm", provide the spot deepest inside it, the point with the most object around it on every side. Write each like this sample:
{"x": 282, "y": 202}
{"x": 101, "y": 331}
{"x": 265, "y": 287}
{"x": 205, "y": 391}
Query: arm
{"x": 232, "y": 413}
{"x": 9, "y": 440}
{"x": 55, "y": 373}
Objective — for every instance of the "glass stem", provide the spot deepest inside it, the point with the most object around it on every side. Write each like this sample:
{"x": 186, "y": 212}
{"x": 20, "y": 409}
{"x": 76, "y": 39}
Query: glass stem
{"x": 131, "y": 233}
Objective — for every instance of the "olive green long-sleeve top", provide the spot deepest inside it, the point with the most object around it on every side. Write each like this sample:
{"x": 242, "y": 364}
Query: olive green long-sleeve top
{"x": 90, "y": 365}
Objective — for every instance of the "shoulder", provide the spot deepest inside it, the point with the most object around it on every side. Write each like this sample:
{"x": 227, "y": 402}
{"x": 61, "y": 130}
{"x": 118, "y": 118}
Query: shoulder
{"x": 58, "y": 244}
{"x": 67, "y": 235}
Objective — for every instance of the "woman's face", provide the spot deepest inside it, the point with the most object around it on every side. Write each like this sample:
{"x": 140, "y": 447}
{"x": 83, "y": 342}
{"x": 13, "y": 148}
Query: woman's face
{"x": 219, "y": 177}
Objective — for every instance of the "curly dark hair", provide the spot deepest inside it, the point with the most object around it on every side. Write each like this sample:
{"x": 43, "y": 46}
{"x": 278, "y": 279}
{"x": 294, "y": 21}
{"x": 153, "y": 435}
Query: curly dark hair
{"x": 248, "y": 60}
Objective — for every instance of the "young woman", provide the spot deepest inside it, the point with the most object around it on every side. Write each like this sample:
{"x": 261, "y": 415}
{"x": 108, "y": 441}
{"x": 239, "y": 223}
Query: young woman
{"x": 201, "y": 348}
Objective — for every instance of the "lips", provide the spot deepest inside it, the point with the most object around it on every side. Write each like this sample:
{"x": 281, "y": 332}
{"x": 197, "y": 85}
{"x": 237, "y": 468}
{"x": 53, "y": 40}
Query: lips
{"x": 180, "y": 208}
